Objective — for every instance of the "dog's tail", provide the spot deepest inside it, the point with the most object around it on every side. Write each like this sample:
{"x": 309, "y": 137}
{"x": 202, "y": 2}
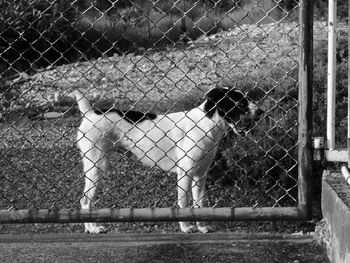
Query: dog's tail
{"x": 83, "y": 103}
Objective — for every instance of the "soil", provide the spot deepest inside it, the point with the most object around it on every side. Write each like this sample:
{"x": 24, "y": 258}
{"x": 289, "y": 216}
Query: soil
{"x": 219, "y": 247}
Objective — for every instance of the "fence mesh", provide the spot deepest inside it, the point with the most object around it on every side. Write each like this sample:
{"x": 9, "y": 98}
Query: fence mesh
{"x": 148, "y": 56}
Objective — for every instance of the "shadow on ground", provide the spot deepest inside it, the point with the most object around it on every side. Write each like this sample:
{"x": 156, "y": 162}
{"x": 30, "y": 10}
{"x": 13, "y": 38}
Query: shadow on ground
{"x": 217, "y": 247}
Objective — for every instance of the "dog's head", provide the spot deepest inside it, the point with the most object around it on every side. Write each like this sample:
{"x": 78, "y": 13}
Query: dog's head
{"x": 233, "y": 106}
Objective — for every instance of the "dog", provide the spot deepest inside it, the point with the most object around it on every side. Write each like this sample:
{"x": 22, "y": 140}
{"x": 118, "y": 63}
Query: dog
{"x": 183, "y": 142}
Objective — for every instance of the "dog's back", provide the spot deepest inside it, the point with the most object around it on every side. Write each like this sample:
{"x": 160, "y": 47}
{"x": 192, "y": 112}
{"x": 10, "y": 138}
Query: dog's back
{"x": 162, "y": 140}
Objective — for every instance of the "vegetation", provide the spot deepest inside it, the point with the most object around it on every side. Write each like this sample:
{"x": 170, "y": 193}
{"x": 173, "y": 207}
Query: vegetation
{"x": 40, "y": 33}
{"x": 44, "y": 32}
{"x": 320, "y": 82}
{"x": 34, "y": 33}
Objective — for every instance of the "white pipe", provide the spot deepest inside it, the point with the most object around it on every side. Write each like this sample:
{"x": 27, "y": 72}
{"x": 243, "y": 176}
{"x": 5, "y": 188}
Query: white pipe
{"x": 331, "y": 74}
{"x": 346, "y": 173}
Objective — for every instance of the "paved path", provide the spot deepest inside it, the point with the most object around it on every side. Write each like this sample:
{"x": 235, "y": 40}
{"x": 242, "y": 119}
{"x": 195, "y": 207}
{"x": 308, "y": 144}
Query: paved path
{"x": 216, "y": 247}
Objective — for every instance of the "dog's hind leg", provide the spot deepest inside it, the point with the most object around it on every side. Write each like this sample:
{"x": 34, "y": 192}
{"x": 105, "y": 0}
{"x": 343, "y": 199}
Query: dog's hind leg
{"x": 94, "y": 162}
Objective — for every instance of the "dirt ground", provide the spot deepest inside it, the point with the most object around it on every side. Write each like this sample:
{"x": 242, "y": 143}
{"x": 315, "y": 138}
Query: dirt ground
{"x": 216, "y": 247}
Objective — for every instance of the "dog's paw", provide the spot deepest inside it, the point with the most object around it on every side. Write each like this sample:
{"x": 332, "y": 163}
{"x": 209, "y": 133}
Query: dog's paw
{"x": 189, "y": 229}
{"x": 186, "y": 228}
{"x": 94, "y": 229}
{"x": 205, "y": 229}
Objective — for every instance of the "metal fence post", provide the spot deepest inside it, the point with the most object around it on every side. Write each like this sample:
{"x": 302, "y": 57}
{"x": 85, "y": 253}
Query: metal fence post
{"x": 331, "y": 75}
{"x": 305, "y": 107}
{"x": 348, "y": 140}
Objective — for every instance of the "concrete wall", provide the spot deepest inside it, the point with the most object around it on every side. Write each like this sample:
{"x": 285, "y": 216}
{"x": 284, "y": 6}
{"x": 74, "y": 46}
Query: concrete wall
{"x": 336, "y": 213}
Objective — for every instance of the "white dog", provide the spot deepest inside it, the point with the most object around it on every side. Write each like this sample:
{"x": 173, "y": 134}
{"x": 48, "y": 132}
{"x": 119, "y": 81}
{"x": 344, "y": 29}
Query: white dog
{"x": 182, "y": 142}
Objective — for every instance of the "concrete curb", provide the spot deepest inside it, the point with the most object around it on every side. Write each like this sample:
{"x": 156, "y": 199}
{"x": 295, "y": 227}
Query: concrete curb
{"x": 335, "y": 209}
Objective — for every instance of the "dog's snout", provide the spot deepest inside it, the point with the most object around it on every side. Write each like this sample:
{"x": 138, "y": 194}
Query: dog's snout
{"x": 258, "y": 113}
{"x": 255, "y": 111}
{"x": 256, "y": 116}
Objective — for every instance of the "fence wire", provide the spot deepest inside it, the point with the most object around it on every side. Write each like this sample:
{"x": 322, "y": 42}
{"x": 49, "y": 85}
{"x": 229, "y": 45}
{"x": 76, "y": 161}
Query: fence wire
{"x": 147, "y": 56}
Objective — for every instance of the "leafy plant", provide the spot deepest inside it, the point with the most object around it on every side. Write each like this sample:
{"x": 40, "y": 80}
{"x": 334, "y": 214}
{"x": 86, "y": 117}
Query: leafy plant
{"x": 34, "y": 33}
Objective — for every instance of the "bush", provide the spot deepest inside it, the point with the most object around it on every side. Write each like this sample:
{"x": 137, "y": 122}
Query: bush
{"x": 34, "y": 33}
{"x": 46, "y": 32}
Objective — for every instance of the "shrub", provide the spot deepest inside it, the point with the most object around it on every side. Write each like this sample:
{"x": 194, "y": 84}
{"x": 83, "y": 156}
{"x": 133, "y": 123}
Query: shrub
{"x": 34, "y": 33}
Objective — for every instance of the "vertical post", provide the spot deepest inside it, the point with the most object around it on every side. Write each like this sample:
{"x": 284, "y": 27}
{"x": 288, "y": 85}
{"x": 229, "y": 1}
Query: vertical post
{"x": 349, "y": 89}
{"x": 149, "y": 23}
{"x": 305, "y": 107}
{"x": 331, "y": 74}
{"x": 183, "y": 21}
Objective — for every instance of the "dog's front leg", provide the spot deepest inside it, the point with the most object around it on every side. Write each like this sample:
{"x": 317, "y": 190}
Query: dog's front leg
{"x": 183, "y": 192}
{"x": 199, "y": 194}
{"x": 94, "y": 163}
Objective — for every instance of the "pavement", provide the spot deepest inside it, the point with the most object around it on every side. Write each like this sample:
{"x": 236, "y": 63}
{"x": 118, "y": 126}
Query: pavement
{"x": 155, "y": 247}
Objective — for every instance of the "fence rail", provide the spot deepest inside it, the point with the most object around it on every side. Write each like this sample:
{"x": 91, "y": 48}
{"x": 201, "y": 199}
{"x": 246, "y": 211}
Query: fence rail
{"x": 154, "y": 56}
{"x": 151, "y": 215}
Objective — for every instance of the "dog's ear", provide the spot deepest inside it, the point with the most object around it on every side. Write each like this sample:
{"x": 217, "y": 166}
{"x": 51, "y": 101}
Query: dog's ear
{"x": 219, "y": 95}
{"x": 215, "y": 94}
{"x": 236, "y": 96}
{"x": 213, "y": 97}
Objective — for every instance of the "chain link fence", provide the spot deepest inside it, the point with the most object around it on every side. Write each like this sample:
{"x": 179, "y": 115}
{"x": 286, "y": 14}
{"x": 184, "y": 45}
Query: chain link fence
{"x": 148, "y": 56}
